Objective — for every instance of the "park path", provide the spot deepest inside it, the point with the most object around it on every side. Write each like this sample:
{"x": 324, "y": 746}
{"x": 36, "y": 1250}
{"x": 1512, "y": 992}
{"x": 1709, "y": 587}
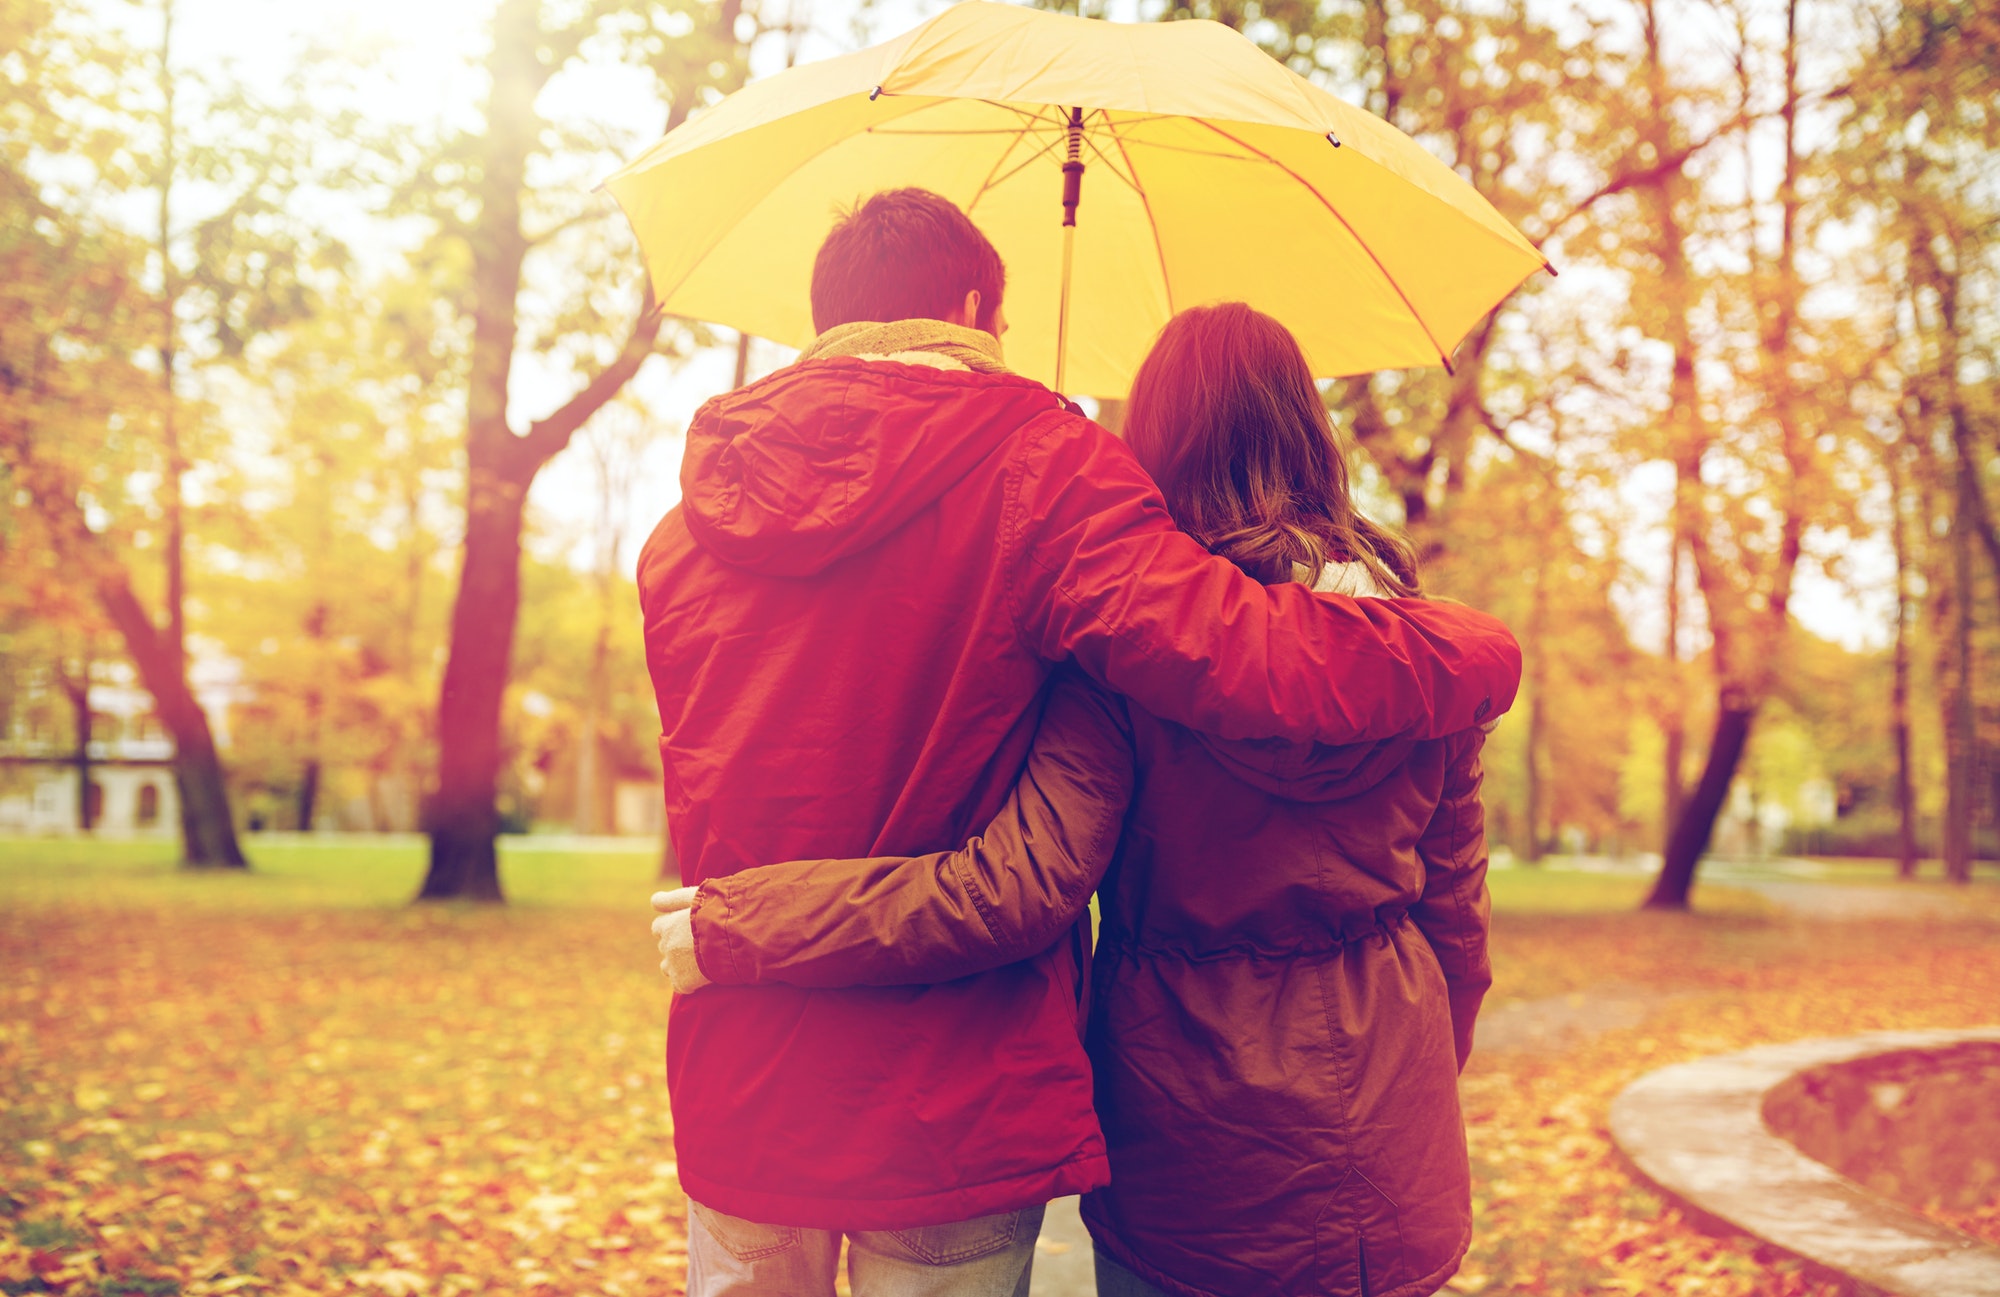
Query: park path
{"x": 1553, "y": 1023}
{"x": 1063, "y": 1261}
{"x": 1858, "y": 902}
{"x": 1550, "y": 1024}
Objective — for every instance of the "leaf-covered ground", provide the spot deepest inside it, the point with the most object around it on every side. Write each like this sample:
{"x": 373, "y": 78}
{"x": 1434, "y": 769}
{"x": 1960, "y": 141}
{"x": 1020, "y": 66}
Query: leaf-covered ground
{"x": 290, "y": 1084}
{"x": 1982, "y": 1221}
{"x": 1557, "y": 1211}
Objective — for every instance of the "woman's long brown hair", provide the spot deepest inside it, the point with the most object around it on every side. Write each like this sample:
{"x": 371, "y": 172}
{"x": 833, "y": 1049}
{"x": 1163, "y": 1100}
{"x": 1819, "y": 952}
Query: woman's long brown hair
{"x": 1226, "y": 417}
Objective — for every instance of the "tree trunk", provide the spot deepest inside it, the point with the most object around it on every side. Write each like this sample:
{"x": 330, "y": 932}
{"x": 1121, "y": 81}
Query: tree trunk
{"x": 590, "y": 793}
{"x": 208, "y": 832}
{"x": 1743, "y": 667}
{"x": 176, "y": 467}
{"x": 1906, "y": 796}
{"x": 1673, "y": 726}
{"x": 1960, "y": 739}
{"x": 315, "y": 632}
{"x": 1691, "y": 832}
{"x": 1685, "y": 435}
{"x": 79, "y": 702}
{"x": 308, "y": 794}
{"x": 464, "y": 817}
{"x": 1899, "y": 690}
{"x": 1537, "y": 684}
{"x": 1536, "y": 842}
{"x": 589, "y": 786}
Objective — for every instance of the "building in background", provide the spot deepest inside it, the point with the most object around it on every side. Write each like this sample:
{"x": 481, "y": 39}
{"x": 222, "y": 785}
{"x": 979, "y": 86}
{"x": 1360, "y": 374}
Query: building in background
{"x": 130, "y": 761}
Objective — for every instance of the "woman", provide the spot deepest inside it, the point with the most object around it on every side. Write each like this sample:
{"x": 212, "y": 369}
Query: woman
{"x": 1293, "y": 940}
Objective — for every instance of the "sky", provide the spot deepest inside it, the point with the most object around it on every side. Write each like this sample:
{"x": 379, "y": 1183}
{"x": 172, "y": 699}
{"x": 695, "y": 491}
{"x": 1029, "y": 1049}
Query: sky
{"x": 424, "y": 56}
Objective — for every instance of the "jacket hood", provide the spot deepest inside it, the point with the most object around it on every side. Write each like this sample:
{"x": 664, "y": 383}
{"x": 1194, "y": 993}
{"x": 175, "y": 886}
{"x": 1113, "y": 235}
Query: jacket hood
{"x": 822, "y": 459}
{"x": 1315, "y": 772}
{"x": 1309, "y": 772}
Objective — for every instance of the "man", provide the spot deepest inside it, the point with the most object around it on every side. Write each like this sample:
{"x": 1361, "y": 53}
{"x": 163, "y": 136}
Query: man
{"x": 883, "y": 552}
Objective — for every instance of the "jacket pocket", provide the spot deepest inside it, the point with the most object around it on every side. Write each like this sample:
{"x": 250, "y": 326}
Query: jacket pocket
{"x": 746, "y": 1240}
{"x": 1359, "y": 1238}
{"x": 961, "y": 1240}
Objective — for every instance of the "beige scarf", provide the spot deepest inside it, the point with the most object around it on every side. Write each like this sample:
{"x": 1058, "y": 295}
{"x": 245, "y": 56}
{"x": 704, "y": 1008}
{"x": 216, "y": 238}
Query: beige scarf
{"x": 912, "y": 342}
{"x": 1351, "y": 578}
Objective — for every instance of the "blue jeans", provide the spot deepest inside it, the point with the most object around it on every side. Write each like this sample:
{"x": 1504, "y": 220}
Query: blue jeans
{"x": 1114, "y": 1280}
{"x": 990, "y": 1256}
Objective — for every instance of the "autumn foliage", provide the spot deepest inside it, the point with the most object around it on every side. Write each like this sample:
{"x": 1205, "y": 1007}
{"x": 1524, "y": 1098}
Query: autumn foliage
{"x": 211, "y": 1100}
{"x": 284, "y": 1085}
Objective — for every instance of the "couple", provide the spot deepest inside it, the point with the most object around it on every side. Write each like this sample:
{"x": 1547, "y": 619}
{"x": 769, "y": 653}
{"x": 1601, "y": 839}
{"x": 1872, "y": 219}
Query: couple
{"x": 918, "y": 611}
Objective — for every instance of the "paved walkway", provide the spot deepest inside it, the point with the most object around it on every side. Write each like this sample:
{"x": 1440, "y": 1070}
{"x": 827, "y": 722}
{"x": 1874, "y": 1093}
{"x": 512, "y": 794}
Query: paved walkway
{"x": 1063, "y": 1264}
{"x": 1556, "y": 1022}
{"x": 1858, "y": 902}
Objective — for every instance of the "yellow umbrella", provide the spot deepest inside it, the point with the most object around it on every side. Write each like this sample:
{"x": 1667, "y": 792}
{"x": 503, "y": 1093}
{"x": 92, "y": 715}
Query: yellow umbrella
{"x": 1215, "y": 173}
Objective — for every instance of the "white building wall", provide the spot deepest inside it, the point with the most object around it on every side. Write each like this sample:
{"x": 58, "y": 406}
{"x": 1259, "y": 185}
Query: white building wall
{"x": 43, "y": 801}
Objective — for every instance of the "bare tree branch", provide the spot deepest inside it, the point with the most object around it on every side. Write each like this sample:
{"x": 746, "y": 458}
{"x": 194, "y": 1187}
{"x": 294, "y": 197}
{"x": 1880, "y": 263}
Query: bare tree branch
{"x": 546, "y": 437}
{"x": 1660, "y": 170}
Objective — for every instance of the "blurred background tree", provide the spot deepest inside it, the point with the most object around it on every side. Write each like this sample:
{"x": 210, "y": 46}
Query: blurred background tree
{"x": 328, "y": 424}
{"x": 488, "y": 202}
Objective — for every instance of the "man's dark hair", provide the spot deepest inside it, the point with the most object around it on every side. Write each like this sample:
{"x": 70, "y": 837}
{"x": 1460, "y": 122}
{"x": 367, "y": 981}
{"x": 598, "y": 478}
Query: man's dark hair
{"x": 905, "y": 254}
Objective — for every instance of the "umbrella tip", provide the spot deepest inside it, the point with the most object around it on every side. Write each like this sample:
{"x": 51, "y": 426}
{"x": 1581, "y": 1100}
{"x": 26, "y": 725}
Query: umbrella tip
{"x": 874, "y": 94}
{"x": 1333, "y": 139}
{"x": 1550, "y": 266}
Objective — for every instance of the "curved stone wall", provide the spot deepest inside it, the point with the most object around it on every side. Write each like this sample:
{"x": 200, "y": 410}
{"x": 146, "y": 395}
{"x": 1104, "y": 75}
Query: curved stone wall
{"x": 1918, "y": 1126}
{"x": 1894, "y": 1107}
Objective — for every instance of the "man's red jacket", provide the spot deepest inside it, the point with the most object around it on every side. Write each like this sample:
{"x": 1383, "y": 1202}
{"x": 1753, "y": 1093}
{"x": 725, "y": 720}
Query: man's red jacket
{"x": 850, "y": 623}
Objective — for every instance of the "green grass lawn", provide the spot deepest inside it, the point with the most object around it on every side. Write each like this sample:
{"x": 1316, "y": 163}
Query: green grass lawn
{"x": 1554, "y": 890}
{"x": 306, "y": 873}
{"x": 359, "y": 872}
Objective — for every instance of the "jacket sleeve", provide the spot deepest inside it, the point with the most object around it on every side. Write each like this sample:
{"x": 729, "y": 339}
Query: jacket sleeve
{"x": 1098, "y": 573}
{"x": 1007, "y": 894}
{"x": 1456, "y": 909}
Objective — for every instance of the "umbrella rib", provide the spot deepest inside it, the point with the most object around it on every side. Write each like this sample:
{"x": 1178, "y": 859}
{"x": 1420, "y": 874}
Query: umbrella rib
{"x": 1361, "y": 242}
{"x": 1105, "y": 158}
{"x": 1198, "y": 153}
{"x": 1040, "y": 116}
{"x": 1029, "y": 120}
{"x": 994, "y": 179}
{"x": 882, "y": 130}
{"x": 1146, "y": 203}
{"x": 1028, "y": 123}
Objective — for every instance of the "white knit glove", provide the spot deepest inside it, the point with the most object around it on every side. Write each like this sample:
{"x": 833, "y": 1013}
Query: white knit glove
{"x": 674, "y": 930}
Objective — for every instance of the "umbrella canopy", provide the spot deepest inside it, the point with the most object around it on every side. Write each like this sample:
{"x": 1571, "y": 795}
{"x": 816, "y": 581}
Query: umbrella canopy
{"x": 1211, "y": 172}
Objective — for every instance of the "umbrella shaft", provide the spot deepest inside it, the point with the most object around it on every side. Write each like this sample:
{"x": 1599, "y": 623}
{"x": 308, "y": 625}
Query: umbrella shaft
{"x": 1062, "y": 309}
{"x": 1073, "y": 168}
{"x": 1072, "y": 196}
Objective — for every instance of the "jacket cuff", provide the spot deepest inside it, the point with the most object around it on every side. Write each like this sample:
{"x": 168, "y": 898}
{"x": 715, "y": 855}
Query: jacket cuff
{"x": 714, "y": 953}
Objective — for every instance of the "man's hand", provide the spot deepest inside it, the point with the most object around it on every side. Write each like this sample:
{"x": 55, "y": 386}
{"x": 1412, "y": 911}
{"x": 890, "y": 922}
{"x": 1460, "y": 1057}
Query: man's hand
{"x": 674, "y": 930}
